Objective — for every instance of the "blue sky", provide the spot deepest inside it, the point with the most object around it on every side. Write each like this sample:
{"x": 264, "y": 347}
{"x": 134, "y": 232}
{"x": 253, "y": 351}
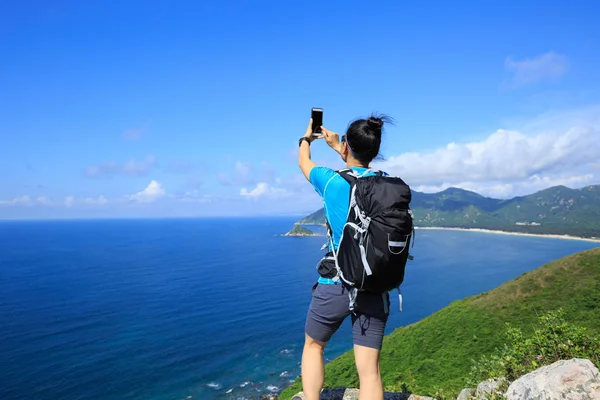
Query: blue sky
{"x": 130, "y": 109}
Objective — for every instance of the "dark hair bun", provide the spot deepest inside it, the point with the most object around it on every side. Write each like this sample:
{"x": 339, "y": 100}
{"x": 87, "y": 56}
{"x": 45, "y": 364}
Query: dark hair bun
{"x": 375, "y": 124}
{"x": 364, "y": 136}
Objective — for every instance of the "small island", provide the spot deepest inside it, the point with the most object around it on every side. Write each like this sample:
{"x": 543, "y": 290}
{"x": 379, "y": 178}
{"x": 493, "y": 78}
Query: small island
{"x": 299, "y": 230}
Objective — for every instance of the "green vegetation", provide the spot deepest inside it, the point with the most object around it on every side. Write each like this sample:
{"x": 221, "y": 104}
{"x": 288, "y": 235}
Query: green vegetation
{"x": 316, "y": 218}
{"x": 299, "y": 230}
{"x": 557, "y": 210}
{"x": 555, "y": 339}
{"x": 435, "y": 355}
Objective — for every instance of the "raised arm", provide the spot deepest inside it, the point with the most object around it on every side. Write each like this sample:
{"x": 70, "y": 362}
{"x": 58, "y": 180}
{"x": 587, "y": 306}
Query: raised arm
{"x": 304, "y": 161}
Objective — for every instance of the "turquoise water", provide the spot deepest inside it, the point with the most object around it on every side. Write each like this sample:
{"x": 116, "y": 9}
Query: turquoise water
{"x": 197, "y": 308}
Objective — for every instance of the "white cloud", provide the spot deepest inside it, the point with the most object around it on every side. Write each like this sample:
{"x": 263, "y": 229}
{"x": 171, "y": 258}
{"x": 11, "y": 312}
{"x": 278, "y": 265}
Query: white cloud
{"x": 99, "y": 201}
{"x": 258, "y": 191}
{"x": 508, "y": 161}
{"x": 69, "y": 200}
{"x": 132, "y": 167}
{"x": 17, "y": 201}
{"x": 545, "y": 67}
{"x": 519, "y": 188}
{"x": 504, "y": 155}
{"x": 43, "y": 200}
{"x": 263, "y": 189}
{"x": 153, "y": 191}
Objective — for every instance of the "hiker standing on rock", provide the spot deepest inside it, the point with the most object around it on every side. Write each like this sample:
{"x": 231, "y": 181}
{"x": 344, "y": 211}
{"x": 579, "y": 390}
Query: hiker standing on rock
{"x": 367, "y": 252}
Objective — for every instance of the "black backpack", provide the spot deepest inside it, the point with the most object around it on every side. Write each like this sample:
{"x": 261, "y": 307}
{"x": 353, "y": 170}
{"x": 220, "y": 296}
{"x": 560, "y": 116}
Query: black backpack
{"x": 374, "y": 246}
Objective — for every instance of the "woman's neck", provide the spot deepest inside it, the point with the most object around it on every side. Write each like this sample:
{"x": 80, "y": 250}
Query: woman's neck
{"x": 355, "y": 163}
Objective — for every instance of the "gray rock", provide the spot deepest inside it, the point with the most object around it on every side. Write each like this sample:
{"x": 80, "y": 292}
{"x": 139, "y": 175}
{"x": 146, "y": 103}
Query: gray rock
{"x": 486, "y": 388}
{"x": 352, "y": 394}
{"x": 465, "y": 394}
{"x": 576, "y": 379}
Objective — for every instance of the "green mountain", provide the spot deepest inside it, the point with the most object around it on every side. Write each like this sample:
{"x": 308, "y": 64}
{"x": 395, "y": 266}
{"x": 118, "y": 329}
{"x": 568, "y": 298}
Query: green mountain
{"x": 437, "y": 353}
{"x": 299, "y": 230}
{"x": 557, "y": 210}
{"x": 316, "y": 218}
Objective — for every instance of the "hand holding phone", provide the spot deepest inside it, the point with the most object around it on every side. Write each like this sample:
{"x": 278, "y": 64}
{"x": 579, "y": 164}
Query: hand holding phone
{"x": 317, "y": 121}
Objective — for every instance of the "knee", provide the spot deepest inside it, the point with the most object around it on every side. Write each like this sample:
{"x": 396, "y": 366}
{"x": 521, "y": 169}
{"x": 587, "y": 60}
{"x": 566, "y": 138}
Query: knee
{"x": 368, "y": 373}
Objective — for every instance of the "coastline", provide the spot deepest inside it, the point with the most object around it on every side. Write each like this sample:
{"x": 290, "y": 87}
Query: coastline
{"x": 544, "y": 235}
{"x": 294, "y": 235}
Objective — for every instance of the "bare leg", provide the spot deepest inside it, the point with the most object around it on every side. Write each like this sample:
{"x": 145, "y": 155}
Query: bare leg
{"x": 367, "y": 365}
{"x": 313, "y": 369}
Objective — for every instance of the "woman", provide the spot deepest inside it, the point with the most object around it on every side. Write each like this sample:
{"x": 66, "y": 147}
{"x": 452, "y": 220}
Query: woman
{"x": 330, "y": 302}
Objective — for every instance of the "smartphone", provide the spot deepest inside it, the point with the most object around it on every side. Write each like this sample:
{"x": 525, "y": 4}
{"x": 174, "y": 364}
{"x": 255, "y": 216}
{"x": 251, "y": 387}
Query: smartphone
{"x": 317, "y": 121}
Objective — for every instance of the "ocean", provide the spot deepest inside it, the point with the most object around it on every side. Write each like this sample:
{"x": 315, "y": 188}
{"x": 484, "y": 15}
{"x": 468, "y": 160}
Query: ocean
{"x": 200, "y": 308}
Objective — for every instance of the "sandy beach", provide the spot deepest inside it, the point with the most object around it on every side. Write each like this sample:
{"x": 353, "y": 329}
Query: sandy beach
{"x": 597, "y": 240}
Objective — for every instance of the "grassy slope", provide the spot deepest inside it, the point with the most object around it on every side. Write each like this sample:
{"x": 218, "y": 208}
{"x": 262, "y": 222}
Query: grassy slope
{"x": 436, "y": 353}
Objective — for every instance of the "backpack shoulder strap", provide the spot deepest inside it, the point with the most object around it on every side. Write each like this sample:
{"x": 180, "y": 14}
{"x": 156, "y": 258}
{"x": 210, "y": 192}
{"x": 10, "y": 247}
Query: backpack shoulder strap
{"x": 348, "y": 175}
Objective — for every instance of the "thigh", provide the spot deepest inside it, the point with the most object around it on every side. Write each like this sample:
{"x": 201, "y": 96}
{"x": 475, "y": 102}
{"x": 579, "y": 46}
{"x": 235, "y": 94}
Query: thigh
{"x": 328, "y": 309}
{"x": 368, "y": 324}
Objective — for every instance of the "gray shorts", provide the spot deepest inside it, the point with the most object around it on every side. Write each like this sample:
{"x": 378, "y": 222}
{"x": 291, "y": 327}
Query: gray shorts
{"x": 329, "y": 308}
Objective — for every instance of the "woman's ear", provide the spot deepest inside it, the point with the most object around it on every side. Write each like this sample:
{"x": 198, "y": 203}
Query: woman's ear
{"x": 344, "y": 151}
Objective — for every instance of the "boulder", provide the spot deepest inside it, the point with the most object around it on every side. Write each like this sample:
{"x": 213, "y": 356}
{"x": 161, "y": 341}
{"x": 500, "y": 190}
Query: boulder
{"x": 487, "y": 388}
{"x": 352, "y": 394}
{"x": 465, "y": 394}
{"x": 575, "y": 379}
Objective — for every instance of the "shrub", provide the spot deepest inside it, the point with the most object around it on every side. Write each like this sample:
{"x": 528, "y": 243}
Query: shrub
{"x": 554, "y": 339}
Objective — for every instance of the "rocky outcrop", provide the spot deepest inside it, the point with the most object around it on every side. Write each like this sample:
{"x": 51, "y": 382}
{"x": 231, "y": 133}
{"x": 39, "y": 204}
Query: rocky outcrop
{"x": 576, "y": 379}
{"x": 491, "y": 387}
{"x": 465, "y": 394}
{"x": 352, "y": 394}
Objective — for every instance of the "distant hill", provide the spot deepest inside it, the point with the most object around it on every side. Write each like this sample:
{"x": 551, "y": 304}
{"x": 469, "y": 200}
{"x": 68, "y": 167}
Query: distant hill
{"x": 436, "y": 353}
{"x": 316, "y": 218}
{"x": 557, "y": 210}
{"x": 299, "y": 230}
